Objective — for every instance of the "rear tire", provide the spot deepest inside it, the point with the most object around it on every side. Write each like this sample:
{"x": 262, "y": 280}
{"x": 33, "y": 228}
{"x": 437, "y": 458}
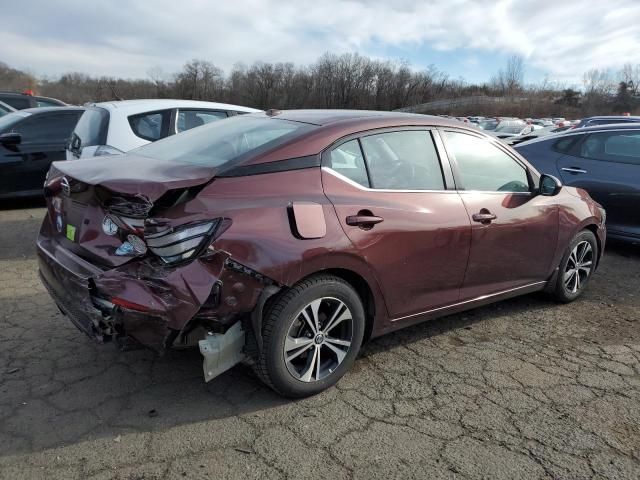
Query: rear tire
{"x": 576, "y": 267}
{"x": 311, "y": 336}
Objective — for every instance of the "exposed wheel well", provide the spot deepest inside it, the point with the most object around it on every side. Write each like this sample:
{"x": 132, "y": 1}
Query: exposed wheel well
{"x": 364, "y": 291}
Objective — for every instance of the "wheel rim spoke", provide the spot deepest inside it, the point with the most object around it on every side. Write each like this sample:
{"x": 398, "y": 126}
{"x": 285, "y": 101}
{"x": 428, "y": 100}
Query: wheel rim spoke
{"x": 309, "y": 321}
{"x": 340, "y": 354}
{"x": 337, "y": 341}
{"x": 306, "y": 376}
{"x": 297, "y": 345}
{"x": 339, "y": 316}
{"x": 315, "y": 307}
{"x": 318, "y": 361}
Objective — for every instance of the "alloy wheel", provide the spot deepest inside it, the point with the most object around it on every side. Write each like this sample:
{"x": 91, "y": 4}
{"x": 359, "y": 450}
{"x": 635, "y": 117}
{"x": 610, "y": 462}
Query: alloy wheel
{"x": 579, "y": 266}
{"x": 318, "y": 339}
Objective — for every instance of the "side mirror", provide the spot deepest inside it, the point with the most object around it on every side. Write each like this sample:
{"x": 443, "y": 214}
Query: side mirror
{"x": 549, "y": 185}
{"x": 10, "y": 139}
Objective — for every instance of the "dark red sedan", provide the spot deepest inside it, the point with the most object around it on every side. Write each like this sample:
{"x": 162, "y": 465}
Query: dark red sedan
{"x": 286, "y": 239}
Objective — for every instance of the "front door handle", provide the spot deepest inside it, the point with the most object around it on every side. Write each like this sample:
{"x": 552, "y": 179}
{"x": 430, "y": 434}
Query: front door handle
{"x": 484, "y": 216}
{"x": 363, "y": 221}
{"x": 574, "y": 170}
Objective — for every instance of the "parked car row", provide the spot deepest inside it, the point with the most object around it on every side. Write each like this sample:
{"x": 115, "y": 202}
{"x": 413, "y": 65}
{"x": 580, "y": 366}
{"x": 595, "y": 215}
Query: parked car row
{"x": 31, "y": 139}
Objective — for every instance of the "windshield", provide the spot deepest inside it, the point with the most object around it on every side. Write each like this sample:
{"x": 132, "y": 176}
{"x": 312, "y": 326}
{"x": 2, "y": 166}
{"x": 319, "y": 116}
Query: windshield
{"x": 220, "y": 142}
{"x": 510, "y": 129}
{"x": 9, "y": 120}
{"x": 488, "y": 124}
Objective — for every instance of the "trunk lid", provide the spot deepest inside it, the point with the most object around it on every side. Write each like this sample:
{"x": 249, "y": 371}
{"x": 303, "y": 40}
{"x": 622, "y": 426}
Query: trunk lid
{"x": 136, "y": 175}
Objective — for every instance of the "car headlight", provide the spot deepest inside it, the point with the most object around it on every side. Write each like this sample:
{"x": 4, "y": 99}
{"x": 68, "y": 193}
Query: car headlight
{"x": 176, "y": 244}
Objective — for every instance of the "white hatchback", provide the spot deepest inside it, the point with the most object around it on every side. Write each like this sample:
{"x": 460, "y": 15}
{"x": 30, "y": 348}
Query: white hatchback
{"x": 111, "y": 128}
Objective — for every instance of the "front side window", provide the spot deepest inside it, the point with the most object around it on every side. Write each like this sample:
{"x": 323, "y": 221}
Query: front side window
{"x": 483, "y": 166}
{"x": 405, "y": 160}
{"x": 52, "y": 128}
{"x": 618, "y": 147}
{"x": 188, "y": 119}
{"x": 150, "y": 126}
{"x": 347, "y": 160}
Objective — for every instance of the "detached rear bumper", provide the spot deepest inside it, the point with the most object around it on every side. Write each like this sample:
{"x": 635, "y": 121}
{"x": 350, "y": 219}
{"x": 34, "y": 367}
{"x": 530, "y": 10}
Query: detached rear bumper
{"x": 146, "y": 301}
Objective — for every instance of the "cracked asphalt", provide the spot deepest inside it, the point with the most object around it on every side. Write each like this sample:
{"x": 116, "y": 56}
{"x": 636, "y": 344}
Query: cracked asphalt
{"x": 526, "y": 388}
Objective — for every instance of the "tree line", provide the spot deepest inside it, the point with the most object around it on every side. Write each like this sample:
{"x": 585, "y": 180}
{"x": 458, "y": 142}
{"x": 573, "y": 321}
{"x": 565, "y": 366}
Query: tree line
{"x": 347, "y": 81}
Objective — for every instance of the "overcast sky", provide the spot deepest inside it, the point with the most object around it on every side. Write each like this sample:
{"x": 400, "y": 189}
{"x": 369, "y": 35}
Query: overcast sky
{"x": 471, "y": 39}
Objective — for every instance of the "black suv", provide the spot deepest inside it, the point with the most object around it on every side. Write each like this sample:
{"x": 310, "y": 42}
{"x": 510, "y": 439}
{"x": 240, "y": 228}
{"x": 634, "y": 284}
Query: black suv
{"x": 30, "y": 140}
{"x": 20, "y": 101}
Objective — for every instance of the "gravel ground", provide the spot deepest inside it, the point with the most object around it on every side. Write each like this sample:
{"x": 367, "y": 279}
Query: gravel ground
{"x": 525, "y": 388}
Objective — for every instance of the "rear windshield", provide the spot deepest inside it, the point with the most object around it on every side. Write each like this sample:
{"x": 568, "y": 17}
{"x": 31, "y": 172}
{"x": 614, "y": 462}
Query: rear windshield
{"x": 488, "y": 124}
{"x": 91, "y": 129}
{"x": 220, "y": 142}
{"x": 509, "y": 129}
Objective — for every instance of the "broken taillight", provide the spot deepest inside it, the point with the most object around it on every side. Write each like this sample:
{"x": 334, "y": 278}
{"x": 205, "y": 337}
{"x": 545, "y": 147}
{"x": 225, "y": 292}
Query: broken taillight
{"x": 176, "y": 244}
{"x": 121, "y": 302}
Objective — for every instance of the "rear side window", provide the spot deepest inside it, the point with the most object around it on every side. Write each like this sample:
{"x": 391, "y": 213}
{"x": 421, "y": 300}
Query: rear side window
{"x": 618, "y": 147}
{"x": 563, "y": 145}
{"x": 483, "y": 166}
{"x": 404, "y": 160}
{"x": 151, "y": 126}
{"x": 347, "y": 160}
{"x": 188, "y": 119}
{"x": 91, "y": 128}
{"x": 52, "y": 128}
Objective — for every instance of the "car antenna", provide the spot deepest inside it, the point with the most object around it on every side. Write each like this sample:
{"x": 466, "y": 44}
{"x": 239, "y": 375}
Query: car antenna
{"x": 113, "y": 90}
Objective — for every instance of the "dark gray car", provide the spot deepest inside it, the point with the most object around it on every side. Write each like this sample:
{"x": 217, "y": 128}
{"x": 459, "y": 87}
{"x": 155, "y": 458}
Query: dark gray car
{"x": 605, "y": 161}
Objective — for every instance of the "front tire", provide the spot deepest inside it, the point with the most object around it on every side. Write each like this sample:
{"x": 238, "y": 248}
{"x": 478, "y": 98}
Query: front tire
{"x": 576, "y": 267}
{"x": 311, "y": 336}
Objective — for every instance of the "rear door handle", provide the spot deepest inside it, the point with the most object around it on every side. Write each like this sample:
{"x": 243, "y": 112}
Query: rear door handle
{"x": 574, "y": 170}
{"x": 363, "y": 220}
{"x": 483, "y": 217}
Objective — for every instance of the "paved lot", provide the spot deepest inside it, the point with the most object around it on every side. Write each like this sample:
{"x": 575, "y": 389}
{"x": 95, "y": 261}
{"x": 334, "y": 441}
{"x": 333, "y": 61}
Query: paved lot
{"x": 523, "y": 389}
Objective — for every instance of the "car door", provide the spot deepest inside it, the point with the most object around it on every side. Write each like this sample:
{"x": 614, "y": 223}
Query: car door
{"x": 43, "y": 139}
{"x": 188, "y": 118}
{"x": 514, "y": 231}
{"x": 397, "y": 204}
{"x": 607, "y": 165}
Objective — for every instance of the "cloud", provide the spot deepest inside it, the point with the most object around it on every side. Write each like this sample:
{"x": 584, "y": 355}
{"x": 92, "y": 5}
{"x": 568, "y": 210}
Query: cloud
{"x": 127, "y": 38}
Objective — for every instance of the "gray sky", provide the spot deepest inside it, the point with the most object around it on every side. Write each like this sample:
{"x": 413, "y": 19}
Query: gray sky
{"x": 560, "y": 39}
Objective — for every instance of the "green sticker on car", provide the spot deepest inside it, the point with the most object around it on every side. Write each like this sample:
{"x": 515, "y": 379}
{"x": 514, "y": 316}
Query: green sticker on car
{"x": 71, "y": 232}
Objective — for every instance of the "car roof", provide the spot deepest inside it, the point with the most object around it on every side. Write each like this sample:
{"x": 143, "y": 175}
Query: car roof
{"x": 14, "y": 94}
{"x": 327, "y": 117}
{"x": 148, "y": 105}
{"x": 623, "y": 118}
{"x": 52, "y": 109}
{"x": 333, "y": 125}
{"x": 583, "y": 131}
